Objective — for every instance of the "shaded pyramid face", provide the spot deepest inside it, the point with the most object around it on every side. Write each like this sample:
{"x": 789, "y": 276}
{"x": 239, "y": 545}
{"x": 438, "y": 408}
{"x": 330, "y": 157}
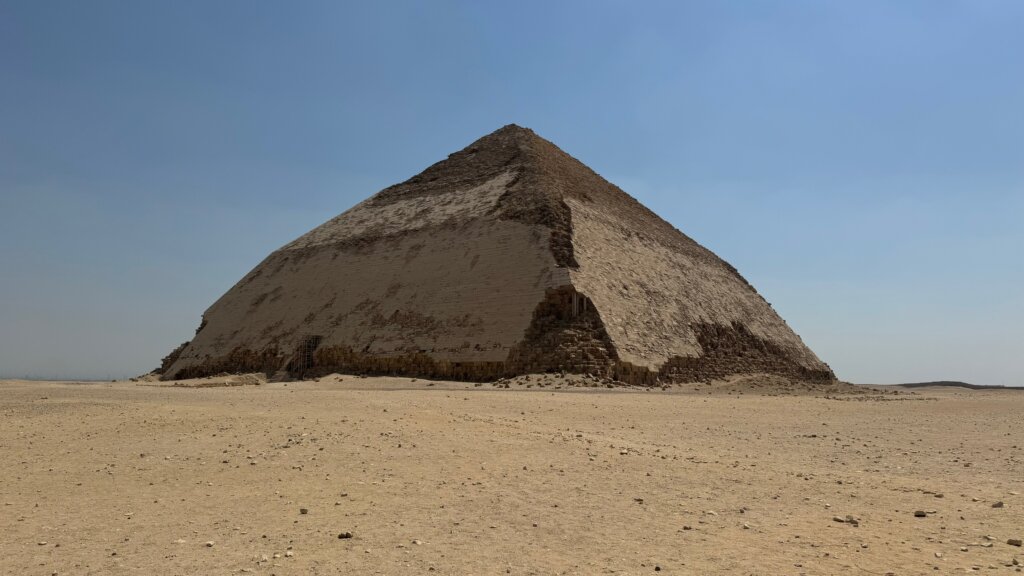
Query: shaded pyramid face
{"x": 508, "y": 257}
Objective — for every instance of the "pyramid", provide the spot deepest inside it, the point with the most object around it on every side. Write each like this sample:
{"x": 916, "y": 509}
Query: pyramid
{"x": 508, "y": 257}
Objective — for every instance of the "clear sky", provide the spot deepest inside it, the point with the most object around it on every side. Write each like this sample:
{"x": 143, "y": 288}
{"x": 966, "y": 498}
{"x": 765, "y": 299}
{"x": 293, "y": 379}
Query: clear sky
{"x": 860, "y": 162}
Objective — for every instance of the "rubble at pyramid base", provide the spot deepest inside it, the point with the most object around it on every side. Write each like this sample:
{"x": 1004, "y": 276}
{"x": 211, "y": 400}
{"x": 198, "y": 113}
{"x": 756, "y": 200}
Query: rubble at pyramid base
{"x": 565, "y": 336}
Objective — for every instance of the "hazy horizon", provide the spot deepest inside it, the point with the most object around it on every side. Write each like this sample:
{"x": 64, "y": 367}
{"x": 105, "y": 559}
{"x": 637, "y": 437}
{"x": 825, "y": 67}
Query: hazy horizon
{"x": 861, "y": 164}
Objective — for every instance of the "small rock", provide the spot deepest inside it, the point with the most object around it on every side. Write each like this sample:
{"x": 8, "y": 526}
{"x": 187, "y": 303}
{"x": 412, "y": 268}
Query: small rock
{"x": 417, "y": 542}
{"x": 920, "y": 514}
{"x": 1014, "y": 542}
{"x": 209, "y": 544}
{"x": 289, "y": 554}
{"x": 998, "y": 504}
{"x": 839, "y": 519}
{"x": 303, "y": 510}
{"x": 938, "y": 554}
{"x": 344, "y": 535}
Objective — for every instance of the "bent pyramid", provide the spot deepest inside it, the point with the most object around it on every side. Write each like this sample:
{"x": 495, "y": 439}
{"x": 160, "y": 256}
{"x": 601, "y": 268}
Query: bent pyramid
{"x": 508, "y": 257}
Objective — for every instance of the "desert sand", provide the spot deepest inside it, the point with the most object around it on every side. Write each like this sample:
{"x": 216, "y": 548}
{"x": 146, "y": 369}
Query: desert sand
{"x": 354, "y": 475}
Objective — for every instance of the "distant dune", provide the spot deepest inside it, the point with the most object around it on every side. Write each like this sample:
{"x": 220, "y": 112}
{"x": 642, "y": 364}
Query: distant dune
{"x": 953, "y": 383}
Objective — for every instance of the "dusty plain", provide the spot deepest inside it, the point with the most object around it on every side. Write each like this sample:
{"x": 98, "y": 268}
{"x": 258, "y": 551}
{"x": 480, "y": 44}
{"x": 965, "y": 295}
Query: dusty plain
{"x": 397, "y": 476}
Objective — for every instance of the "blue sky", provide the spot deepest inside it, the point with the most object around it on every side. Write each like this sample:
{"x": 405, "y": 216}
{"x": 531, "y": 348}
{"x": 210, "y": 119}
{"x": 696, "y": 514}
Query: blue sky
{"x": 860, "y": 162}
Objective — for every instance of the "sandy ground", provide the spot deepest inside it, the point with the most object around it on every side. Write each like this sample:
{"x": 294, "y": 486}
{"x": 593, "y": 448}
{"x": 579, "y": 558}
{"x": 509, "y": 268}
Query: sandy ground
{"x": 137, "y": 478}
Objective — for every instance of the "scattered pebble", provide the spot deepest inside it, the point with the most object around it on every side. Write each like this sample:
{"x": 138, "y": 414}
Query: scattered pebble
{"x": 848, "y": 520}
{"x": 344, "y": 535}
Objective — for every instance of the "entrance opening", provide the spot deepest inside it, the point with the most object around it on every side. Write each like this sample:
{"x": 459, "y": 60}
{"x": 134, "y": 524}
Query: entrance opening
{"x": 305, "y": 355}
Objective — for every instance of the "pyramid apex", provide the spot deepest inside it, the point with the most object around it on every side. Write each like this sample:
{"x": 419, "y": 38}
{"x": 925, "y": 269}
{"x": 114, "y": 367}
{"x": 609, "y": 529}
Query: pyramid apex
{"x": 512, "y": 131}
{"x": 514, "y": 128}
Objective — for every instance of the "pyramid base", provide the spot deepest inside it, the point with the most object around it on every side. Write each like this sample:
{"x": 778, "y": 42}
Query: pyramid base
{"x": 344, "y": 360}
{"x": 566, "y": 334}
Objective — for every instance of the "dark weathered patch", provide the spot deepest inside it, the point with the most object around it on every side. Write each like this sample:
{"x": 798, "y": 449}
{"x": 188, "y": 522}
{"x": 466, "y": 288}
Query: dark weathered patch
{"x": 565, "y": 334}
{"x": 238, "y": 361}
{"x": 733, "y": 349}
